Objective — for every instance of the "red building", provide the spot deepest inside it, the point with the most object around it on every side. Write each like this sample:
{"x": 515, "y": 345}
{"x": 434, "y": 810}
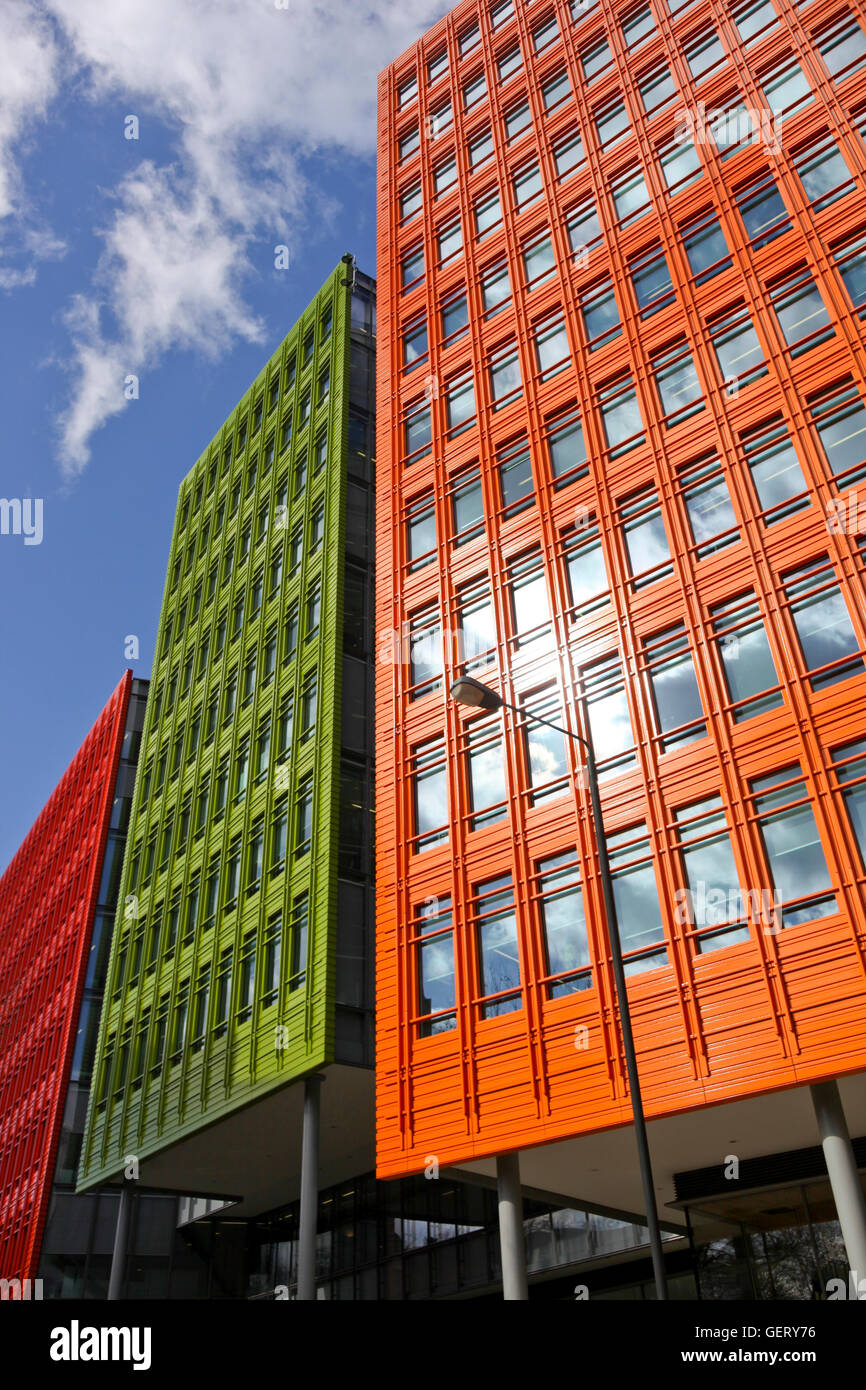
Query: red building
{"x": 622, "y": 429}
{"x": 48, "y": 949}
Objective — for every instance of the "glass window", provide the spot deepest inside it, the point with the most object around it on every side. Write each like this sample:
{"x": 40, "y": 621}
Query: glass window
{"x": 444, "y": 176}
{"x": 775, "y": 471}
{"x": 706, "y": 249}
{"x": 595, "y": 58}
{"x": 568, "y": 154}
{"x": 437, "y": 66}
{"x": 839, "y": 417}
{"x": 656, "y": 87}
{"x": 527, "y": 185}
{"x": 460, "y": 404}
{"x": 638, "y": 26}
{"x": 588, "y": 584}
{"x": 475, "y": 90}
{"x": 467, "y": 506}
{"x": 652, "y": 283}
{"x": 409, "y": 142}
{"x": 645, "y": 537}
{"x": 414, "y": 346}
{"x": 706, "y": 53}
{"x": 300, "y": 932}
{"x": 851, "y": 263}
{"x": 712, "y": 904}
{"x": 584, "y": 229}
{"x": 417, "y": 431}
{"x": 529, "y": 607}
{"x": 738, "y": 349}
{"x": 844, "y": 49}
{"x": 600, "y": 314}
{"x": 677, "y": 384}
{"x": 271, "y": 952}
{"x": 802, "y": 313}
{"x": 745, "y": 656}
{"x": 421, "y": 528}
{"x": 680, "y": 164}
{"x": 823, "y": 173}
{"x": 304, "y": 817}
{"x": 563, "y": 924}
{"x": 612, "y": 124}
{"x": 495, "y": 289}
{"x": 621, "y": 417}
{"x": 552, "y": 352}
{"x": 488, "y": 213}
{"x": 434, "y": 955}
{"x": 785, "y": 92}
{"x": 425, "y": 653}
{"x": 605, "y": 712}
{"x": 486, "y": 774}
{"x": 850, "y": 769}
{"x": 762, "y": 210}
{"x": 411, "y": 272}
{"x": 496, "y": 941}
{"x": 500, "y": 14}
{"x": 555, "y": 90}
{"x": 477, "y": 635}
{"x": 469, "y": 39}
{"x": 407, "y": 91}
{"x": 505, "y": 379}
{"x": 450, "y": 241}
{"x": 410, "y": 202}
{"x": 710, "y": 512}
{"x": 828, "y": 642}
{"x": 630, "y": 196}
{"x": 544, "y": 33}
{"x": 636, "y": 900}
{"x": 539, "y": 262}
{"x": 792, "y": 847}
{"x": 455, "y": 316}
{"x": 566, "y": 448}
{"x": 515, "y": 478}
{"x": 510, "y": 63}
{"x": 674, "y": 686}
{"x": 754, "y": 19}
{"x": 480, "y": 148}
{"x": 546, "y": 758}
{"x": 517, "y": 120}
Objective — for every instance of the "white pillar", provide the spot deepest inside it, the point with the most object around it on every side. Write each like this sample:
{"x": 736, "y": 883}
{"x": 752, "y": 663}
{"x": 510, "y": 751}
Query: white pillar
{"x": 511, "y": 1242}
{"x": 309, "y": 1191}
{"x": 121, "y": 1243}
{"x": 844, "y": 1178}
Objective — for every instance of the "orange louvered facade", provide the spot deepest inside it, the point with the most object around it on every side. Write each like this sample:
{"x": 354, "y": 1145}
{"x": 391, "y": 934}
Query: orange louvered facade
{"x": 621, "y": 446}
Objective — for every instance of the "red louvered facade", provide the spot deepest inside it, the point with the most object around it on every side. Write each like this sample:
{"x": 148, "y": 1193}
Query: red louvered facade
{"x": 47, "y": 900}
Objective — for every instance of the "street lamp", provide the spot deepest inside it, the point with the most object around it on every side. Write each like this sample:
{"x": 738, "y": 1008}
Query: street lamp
{"x": 468, "y": 691}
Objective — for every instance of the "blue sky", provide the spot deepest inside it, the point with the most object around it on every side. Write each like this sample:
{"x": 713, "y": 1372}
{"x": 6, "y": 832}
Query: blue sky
{"x": 154, "y": 257}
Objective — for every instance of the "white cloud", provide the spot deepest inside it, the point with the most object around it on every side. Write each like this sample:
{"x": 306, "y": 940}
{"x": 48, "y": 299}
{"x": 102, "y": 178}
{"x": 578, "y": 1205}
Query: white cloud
{"x": 30, "y": 59}
{"x": 249, "y": 90}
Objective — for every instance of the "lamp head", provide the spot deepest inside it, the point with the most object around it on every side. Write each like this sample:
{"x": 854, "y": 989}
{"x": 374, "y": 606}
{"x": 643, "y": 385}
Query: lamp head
{"x": 467, "y": 691}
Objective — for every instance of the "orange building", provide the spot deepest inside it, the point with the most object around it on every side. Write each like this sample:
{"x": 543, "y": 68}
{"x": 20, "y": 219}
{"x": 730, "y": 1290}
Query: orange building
{"x": 622, "y": 481}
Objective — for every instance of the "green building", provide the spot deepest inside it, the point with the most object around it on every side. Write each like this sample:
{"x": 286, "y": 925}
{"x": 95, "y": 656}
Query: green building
{"x": 242, "y": 956}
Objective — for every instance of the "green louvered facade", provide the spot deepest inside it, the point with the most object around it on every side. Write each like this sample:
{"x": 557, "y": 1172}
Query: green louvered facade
{"x": 239, "y": 961}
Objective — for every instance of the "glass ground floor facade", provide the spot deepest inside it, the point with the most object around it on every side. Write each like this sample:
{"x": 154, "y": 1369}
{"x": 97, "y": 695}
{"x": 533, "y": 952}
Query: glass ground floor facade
{"x": 419, "y": 1239}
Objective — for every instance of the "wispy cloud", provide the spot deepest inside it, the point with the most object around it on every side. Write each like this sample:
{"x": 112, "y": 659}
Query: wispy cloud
{"x": 31, "y": 61}
{"x": 249, "y": 91}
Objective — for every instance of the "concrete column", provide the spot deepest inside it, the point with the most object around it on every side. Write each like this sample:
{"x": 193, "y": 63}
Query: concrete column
{"x": 121, "y": 1243}
{"x": 511, "y": 1242}
{"x": 844, "y": 1178}
{"x": 309, "y": 1190}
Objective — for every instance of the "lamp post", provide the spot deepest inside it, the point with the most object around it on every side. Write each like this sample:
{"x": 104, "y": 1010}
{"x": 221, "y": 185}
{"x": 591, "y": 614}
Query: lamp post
{"x": 468, "y": 691}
